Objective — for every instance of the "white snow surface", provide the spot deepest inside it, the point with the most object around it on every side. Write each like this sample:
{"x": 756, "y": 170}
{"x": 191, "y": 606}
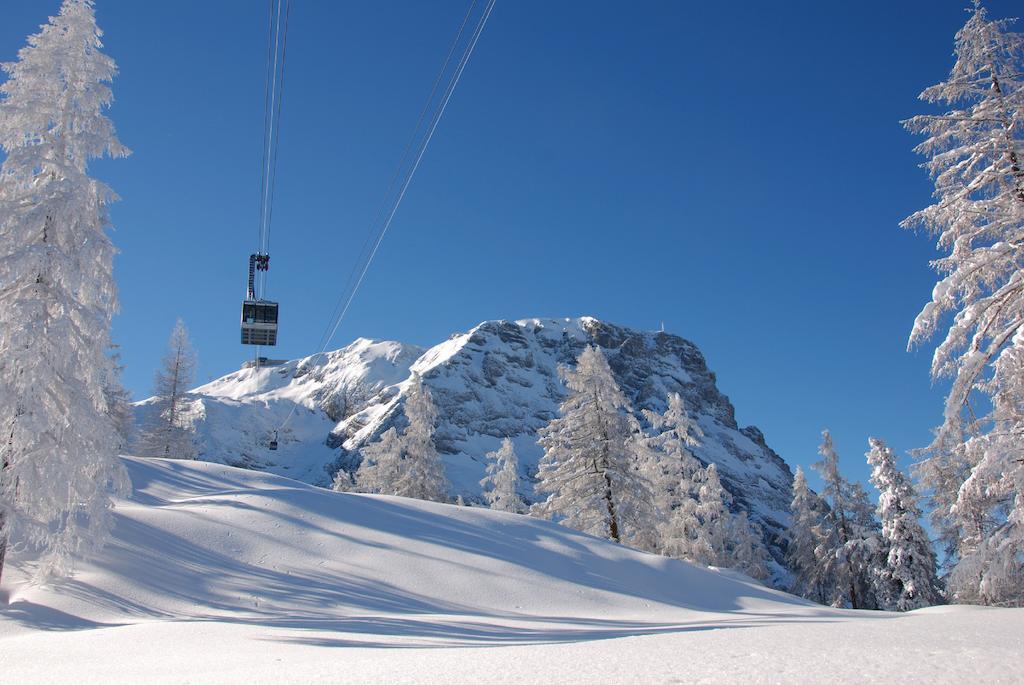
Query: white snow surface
{"x": 217, "y": 574}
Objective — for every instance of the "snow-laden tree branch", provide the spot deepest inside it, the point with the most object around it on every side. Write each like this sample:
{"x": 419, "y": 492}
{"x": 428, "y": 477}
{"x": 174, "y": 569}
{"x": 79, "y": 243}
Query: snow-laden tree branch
{"x": 975, "y": 155}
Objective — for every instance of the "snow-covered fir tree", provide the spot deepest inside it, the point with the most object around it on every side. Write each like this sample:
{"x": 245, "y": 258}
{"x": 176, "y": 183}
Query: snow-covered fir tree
{"x": 676, "y": 481}
{"x": 168, "y": 433}
{"x": 974, "y": 152}
{"x": 1000, "y": 466}
{"x": 407, "y": 464}
{"x": 989, "y": 508}
{"x": 343, "y": 481}
{"x": 682, "y": 532}
{"x": 422, "y": 474}
{"x": 837, "y": 576}
{"x": 119, "y": 401}
{"x": 747, "y": 552}
{"x": 803, "y": 536}
{"x": 700, "y": 527}
{"x": 502, "y": 480}
{"x": 672, "y": 466}
{"x": 58, "y": 457}
{"x": 381, "y": 465}
{"x": 908, "y": 579}
{"x": 715, "y": 533}
{"x": 941, "y": 469}
{"x": 589, "y": 468}
{"x": 866, "y": 550}
{"x": 849, "y": 547}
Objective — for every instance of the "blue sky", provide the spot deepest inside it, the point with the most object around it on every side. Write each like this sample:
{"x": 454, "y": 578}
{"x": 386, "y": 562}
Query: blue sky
{"x": 735, "y": 170}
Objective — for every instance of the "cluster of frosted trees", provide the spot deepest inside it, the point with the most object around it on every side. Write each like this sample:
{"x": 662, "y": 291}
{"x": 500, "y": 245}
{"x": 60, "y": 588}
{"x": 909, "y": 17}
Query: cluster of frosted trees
{"x": 973, "y": 472}
{"x": 601, "y": 473}
{"x": 403, "y": 463}
{"x": 604, "y": 475}
{"x": 845, "y": 552}
{"x": 972, "y": 475}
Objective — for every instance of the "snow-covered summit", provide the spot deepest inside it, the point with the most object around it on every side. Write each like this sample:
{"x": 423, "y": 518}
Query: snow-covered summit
{"x": 362, "y": 364}
{"x": 499, "y": 379}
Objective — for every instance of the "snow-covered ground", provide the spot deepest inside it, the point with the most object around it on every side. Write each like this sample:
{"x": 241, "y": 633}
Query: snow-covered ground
{"x": 221, "y": 575}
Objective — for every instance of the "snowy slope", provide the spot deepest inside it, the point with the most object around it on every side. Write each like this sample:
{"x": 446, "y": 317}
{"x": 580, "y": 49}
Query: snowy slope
{"x": 217, "y": 574}
{"x": 277, "y": 546}
{"x": 498, "y": 379}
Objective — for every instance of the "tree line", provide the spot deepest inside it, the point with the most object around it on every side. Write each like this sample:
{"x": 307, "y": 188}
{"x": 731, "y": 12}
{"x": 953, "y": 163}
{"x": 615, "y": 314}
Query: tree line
{"x": 601, "y": 473}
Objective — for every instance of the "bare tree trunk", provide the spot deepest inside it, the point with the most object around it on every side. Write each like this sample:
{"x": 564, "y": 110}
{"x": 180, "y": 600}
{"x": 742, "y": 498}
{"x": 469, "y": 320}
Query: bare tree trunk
{"x": 5, "y": 464}
{"x": 172, "y": 411}
{"x": 613, "y": 522}
{"x": 1015, "y": 169}
{"x": 3, "y": 541}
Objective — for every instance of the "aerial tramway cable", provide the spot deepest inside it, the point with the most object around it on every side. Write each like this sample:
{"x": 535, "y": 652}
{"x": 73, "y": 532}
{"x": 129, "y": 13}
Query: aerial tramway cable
{"x": 381, "y": 212}
{"x": 277, "y": 55}
{"x": 390, "y": 209}
{"x": 276, "y": 134}
{"x": 259, "y": 315}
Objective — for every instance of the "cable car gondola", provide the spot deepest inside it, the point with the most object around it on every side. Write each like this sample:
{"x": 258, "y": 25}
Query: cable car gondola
{"x": 259, "y": 317}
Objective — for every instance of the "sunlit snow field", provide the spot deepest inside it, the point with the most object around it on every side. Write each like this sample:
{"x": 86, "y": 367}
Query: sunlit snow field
{"x": 217, "y": 574}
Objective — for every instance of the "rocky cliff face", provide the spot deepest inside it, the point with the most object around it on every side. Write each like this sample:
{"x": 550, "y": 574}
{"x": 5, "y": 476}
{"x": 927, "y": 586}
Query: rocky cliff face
{"x": 498, "y": 380}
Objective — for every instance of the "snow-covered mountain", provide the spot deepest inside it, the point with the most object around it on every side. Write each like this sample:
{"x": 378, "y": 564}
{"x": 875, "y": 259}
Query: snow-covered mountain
{"x": 498, "y": 379}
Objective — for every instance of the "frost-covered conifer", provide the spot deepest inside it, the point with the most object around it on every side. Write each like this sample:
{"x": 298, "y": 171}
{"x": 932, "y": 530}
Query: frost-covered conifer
{"x": 747, "y": 552}
{"x": 849, "y": 548}
{"x": 999, "y": 476}
{"x": 589, "y": 468}
{"x": 58, "y": 456}
{"x": 908, "y": 580}
{"x": 975, "y": 154}
{"x": 381, "y": 465}
{"x": 715, "y": 531}
{"x": 941, "y": 470}
{"x": 667, "y": 463}
{"x": 804, "y": 535}
{"x": 342, "y": 481}
{"x": 168, "y": 433}
{"x": 866, "y": 550}
{"x": 406, "y": 465}
{"x": 840, "y": 587}
{"x": 989, "y": 509}
{"x": 422, "y": 474}
{"x": 682, "y": 533}
{"x": 672, "y": 462}
{"x": 119, "y": 402}
{"x": 502, "y": 480}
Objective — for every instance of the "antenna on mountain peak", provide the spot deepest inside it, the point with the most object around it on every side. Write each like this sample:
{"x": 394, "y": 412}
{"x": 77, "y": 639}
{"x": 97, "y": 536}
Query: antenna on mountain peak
{"x": 662, "y": 326}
